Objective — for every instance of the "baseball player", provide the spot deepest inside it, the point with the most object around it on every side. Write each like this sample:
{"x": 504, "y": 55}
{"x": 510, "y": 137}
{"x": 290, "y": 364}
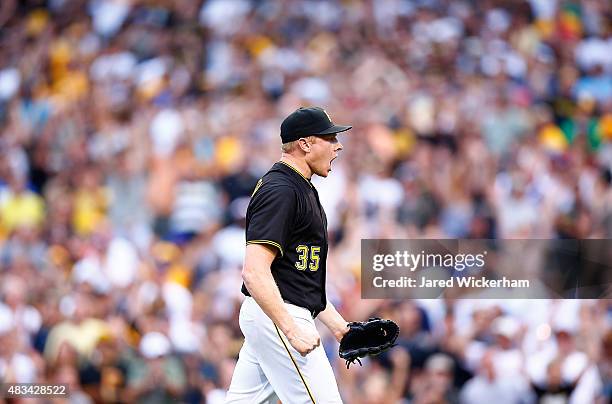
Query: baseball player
{"x": 284, "y": 273}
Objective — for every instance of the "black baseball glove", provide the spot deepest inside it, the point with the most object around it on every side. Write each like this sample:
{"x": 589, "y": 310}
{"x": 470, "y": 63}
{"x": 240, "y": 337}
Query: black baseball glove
{"x": 367, "y": 338}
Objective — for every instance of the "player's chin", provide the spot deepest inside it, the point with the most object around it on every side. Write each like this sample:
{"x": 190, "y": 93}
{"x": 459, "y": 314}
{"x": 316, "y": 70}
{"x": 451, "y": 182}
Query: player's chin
{"x": 324, "y": 171}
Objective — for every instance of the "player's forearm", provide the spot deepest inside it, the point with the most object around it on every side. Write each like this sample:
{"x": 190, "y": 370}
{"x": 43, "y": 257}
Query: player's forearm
{"x": 263, "y": 289}
{"x": 333, "y": 321}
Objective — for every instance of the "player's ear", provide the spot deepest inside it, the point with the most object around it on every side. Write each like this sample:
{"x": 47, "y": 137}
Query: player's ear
{"x": 304, "y": 144}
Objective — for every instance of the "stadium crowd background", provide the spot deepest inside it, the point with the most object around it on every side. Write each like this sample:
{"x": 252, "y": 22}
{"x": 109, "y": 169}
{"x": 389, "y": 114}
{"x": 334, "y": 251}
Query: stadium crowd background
{"x": 132, "y": 133}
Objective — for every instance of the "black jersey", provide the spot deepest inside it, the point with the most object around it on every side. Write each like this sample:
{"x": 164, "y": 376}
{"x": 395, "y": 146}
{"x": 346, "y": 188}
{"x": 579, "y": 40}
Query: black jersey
{"x": 285, "y": 212}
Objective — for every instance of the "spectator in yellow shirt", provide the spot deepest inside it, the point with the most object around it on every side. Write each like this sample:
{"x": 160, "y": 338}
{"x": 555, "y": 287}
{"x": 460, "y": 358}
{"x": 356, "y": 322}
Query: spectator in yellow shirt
{"x": 21, "y": 207}
{"x": 90, "y": 203}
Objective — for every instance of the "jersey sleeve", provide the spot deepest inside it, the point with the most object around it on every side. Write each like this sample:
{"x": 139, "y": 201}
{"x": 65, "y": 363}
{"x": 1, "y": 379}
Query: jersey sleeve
{"x": 270, "y": 216}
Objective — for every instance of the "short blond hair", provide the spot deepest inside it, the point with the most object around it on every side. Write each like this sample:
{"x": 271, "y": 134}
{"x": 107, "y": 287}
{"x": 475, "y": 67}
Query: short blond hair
{"x": 290, "y": 146}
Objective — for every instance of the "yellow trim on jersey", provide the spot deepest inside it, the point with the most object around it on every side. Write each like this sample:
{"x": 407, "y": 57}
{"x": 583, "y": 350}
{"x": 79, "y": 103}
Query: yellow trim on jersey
{"x": 295, "y": 364}
{"x": 275, "y": 244}
{"x": 259, "y": 184}
{"x": 297, "y": 171}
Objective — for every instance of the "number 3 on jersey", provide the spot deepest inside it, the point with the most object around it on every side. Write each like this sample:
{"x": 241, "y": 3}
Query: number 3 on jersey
{"x": 302, "y": 251}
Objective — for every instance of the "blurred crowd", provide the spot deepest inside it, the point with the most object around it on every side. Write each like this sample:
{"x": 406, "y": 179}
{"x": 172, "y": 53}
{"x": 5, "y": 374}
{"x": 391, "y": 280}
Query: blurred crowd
{"x": 132, "y": 133}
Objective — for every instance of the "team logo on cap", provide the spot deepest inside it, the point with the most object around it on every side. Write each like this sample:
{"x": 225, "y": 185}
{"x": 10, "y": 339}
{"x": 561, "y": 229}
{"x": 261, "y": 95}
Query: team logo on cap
{"x": 326, "y": 114}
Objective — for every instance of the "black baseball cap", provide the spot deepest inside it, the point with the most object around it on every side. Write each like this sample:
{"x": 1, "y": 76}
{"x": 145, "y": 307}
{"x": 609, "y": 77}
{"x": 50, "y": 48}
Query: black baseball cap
{"x": 309, "y": 121}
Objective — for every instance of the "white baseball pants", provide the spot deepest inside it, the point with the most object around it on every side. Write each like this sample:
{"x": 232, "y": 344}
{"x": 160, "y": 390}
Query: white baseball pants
{"x": 269, "y": 368}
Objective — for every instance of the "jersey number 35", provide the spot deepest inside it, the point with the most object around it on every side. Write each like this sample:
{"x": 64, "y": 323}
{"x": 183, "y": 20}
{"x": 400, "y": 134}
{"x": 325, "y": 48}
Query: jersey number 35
{"x": 303, "y": 257}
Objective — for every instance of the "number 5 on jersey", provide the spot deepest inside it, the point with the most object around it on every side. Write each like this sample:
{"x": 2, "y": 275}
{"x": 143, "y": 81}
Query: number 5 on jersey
{"x": 302, "y": 251}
